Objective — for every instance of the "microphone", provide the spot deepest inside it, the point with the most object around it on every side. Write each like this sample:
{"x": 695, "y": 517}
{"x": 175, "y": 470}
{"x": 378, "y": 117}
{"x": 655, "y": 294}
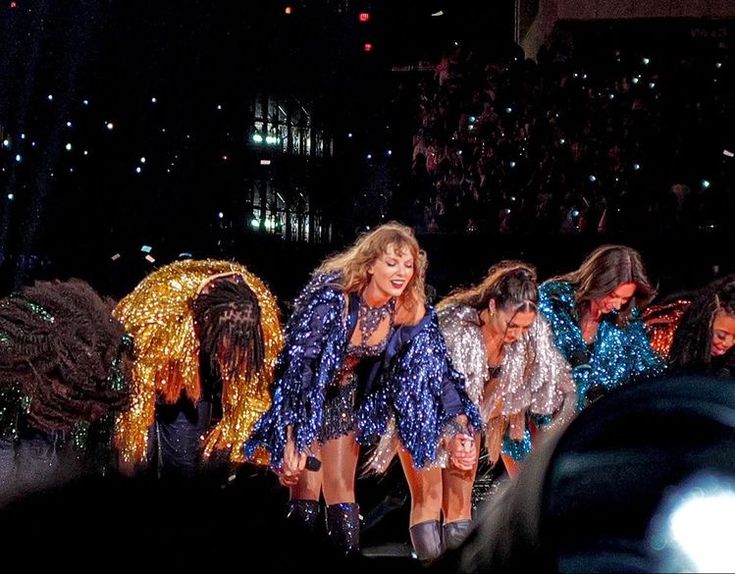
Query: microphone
{"x": 313, "y": 463}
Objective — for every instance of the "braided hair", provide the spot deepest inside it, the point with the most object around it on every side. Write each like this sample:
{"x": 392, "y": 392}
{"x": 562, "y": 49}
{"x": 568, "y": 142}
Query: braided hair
{"x": 692, "y": 344}
{"x": 227, "y": 322}
{"x": 64, "y": 360}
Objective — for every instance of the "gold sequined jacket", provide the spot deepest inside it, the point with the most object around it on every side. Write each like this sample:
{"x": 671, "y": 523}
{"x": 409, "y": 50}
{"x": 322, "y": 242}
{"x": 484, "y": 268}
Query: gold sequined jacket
{"x": 158, "y": 314}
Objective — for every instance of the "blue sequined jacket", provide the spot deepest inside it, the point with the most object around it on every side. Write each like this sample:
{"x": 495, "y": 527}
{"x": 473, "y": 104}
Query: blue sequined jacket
{"x": 412, "y": 380}
{"x": 618, "y": 355}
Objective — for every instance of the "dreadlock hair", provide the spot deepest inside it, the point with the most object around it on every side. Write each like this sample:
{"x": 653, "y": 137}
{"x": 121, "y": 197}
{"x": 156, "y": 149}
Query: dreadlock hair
{"x": 604, "y": 270}
{"x": 511, "y": 284}
{"x": 691, "y": 349}
{"x": 227, "y": 321}
{"x": 64, "y": 354}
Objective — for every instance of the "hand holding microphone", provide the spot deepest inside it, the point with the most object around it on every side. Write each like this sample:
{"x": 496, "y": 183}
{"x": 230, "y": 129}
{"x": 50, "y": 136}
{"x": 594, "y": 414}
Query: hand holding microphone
{"x": 295, "y": 462}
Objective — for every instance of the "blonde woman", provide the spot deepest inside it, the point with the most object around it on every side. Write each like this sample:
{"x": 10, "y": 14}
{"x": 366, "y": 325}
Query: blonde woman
{"x": 363, "y": 353}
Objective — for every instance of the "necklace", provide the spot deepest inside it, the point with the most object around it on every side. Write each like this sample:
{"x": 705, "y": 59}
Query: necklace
{"x": 370, "y": 317}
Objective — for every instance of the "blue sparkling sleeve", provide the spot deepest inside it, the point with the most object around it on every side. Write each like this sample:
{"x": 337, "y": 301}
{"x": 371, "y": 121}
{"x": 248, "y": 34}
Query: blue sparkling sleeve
{"x": 313, "y": 351}
{"x": 423, "y": 391}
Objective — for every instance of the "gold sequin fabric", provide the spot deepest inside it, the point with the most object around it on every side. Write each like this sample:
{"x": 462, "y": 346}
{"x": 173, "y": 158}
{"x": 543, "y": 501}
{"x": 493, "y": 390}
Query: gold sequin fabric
{"x": 661, "y": 323}
{"x": 158, "y": 314}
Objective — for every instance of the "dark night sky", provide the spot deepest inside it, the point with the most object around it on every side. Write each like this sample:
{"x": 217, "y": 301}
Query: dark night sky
{"x": 77, "y": 104}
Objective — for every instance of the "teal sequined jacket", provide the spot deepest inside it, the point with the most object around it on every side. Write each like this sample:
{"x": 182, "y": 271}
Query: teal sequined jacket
{"x": 618, "y": 355}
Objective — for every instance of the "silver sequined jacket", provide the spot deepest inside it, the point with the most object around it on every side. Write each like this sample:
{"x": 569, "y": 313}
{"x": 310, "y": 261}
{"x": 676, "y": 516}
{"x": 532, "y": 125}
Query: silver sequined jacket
{"x": 534, "y": 380}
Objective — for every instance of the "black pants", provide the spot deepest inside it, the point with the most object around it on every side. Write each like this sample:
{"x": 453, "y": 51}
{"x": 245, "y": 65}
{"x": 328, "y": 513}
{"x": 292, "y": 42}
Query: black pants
{"x": 178, "y": 438}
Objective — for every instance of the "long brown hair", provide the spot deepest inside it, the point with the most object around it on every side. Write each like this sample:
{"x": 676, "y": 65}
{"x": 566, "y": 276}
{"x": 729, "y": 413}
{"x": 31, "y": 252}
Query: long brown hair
{"x": 606, "y": 268}
{"x": 354, "y": 262}
{"x": 511, "y": 284}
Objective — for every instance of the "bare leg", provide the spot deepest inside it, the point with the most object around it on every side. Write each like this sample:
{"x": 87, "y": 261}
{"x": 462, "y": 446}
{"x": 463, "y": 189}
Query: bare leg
{"x": 426, "y": 490}
{"x": 457, "y": 491}
{"x": 426, "y": 500}
{"x": 339, "y": 466}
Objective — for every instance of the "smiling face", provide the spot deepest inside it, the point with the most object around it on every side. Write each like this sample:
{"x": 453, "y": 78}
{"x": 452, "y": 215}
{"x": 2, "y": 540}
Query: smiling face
{"x": 615, "y": 300}
{"x": 389, "y": 275}
{"x": 723, "y": 333}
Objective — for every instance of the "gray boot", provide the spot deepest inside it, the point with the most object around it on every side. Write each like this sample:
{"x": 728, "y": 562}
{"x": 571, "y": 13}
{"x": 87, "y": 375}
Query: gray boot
{"x": 455, "y": 533}
{"x": 426, "y": 538}
{"x": 343, "y": 526}
{"x": 304, "y": 513}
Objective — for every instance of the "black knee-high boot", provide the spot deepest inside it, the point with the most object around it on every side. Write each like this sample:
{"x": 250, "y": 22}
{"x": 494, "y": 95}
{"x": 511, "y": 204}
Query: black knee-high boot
{"x": 455, "y": 533}
{"x": 426, "y": 538}
{"x": 343, "y": 526}
{"x": 304, "y": 512}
